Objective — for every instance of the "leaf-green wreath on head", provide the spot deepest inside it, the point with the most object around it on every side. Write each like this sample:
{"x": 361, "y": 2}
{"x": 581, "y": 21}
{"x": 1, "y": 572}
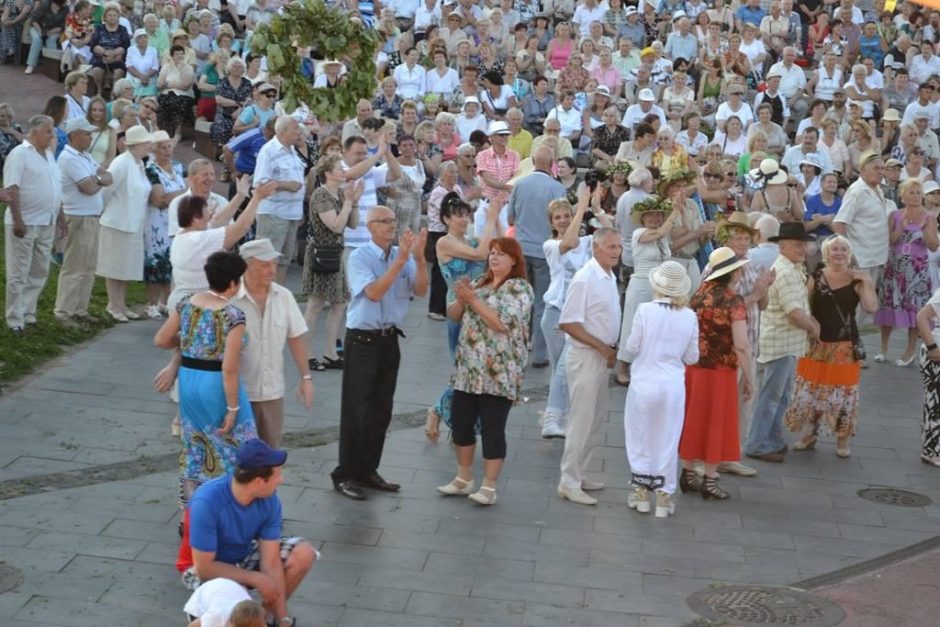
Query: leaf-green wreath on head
{"x": 619, "y": 166}
{"x": 651, "y": 203}
{"x": 334, "y": 35}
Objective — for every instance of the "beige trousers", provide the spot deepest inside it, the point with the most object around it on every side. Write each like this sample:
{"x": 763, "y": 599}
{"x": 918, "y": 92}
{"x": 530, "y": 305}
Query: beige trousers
{"x": 588, "y": 395}
{"x": 77, "y": 276}
{"x": 269, "y": 420}
{"x": 27, "y": 267}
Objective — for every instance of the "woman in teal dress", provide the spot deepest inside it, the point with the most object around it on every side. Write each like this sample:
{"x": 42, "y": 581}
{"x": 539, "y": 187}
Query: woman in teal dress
{"x": 215, "y": 411}
{"x": 459, "y": 256}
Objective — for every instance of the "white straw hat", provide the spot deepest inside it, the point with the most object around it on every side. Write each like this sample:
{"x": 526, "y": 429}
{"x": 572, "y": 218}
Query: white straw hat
{"x": 722, "y": 261}
{"x": 137, "y": 135}
{"x": 671, "y": 279}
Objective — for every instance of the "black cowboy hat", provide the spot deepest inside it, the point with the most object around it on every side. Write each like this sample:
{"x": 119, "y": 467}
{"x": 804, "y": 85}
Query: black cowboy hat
{"x": 791, "y": 230}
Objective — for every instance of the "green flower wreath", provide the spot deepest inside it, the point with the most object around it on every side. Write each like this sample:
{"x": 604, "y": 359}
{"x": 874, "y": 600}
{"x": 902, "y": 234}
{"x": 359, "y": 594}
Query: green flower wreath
{"x": 619, "y": 166}
{"x": 333, "y": 35}
{"x": 653, "y": 203}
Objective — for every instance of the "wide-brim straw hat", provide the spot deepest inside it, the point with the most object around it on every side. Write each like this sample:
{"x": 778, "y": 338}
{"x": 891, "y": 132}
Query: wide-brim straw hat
{"x": 137, "y": 135}
{"x": 161, "y": 136}
{"x": 769, "y": 173}
{"x": 737, "y": 220}
{"x": 650, "y": 204}
{"x": 670, "y": 279}
{"x": 676, "y": 176}
{"x": 723, "y": 261}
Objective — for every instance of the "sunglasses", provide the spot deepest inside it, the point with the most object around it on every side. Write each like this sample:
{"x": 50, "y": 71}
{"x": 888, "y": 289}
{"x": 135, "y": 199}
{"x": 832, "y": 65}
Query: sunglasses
{"x": 713, "y": 176}
{"x": 269, "y": 94}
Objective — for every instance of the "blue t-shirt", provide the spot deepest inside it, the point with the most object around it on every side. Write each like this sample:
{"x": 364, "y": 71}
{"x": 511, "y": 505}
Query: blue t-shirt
{"x": 246, "y": 148}
{"x": 750, "y": 15}
{"x": 219, "y": 524}
{"x": 815, "y": 207}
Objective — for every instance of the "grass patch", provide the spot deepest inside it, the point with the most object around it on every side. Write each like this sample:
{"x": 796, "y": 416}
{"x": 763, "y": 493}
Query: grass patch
{"x": 48, "y": 338}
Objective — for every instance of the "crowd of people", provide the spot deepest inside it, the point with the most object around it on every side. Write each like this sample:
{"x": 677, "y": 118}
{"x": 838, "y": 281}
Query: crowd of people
{"x": 705, "y": 201}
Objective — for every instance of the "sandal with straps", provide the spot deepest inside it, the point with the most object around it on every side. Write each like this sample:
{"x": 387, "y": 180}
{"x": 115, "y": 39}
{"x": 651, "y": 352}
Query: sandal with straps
{"x": 689, "y": 481}
{"x": 486, "y": 496}
{"x": 711, "y": 490}
{"x": 457, "y": 487}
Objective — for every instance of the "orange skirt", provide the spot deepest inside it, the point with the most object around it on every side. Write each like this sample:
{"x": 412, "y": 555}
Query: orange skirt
{"x": 826, "y": 390}
{"x": 710, "y": 432}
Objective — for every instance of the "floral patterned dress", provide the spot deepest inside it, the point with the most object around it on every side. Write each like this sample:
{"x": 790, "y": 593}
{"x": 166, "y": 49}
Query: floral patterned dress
{"x": 221, "y": 129}
{"x": 157, "y": 268}
{"x": 489, "y": 362}
{"x": 11, "y": 36}
{"x": 206, "y": 454}
{"x": 906, "y": 284}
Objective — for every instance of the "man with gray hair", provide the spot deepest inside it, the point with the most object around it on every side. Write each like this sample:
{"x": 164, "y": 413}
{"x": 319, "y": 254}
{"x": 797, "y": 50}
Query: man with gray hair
{"x": 527, "y": 211}
{"x": 201, "y": 178}
{"x": 279, "y": 215}
{"x": 641, "y": 186}
{"x": 520, "y": 139}
{"x": 82, "y": 181}
{"x": 765, "y": 252}
{"x": 34, "y": 188}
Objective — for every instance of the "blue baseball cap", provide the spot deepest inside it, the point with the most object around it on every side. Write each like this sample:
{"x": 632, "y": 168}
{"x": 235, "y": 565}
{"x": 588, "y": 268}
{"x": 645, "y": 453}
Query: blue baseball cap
{"x": 256, "y": 453}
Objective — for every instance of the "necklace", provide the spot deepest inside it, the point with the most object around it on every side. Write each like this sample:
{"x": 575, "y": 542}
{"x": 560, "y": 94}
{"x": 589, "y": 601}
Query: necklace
{"x": 217, "y": 295}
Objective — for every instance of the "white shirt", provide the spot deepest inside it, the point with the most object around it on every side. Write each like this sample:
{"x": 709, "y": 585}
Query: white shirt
{"x": 359, "y": 236}
{"x": 37, "y": 176}
{"x": 635, "y": 114}
{"x": 434, "y": 83}
{"x": 594, "y": 302}
{"x": 189, "y": 252}
{"x": 125, "y": 202}
{"x": 827, "y": 83}
{"x": 791, "y": 80}
{"x": 921, "y": 69}
{"x": 583, "y": 16}
{"x": 411, "y": 83}
{"x": 144, "y": 61}
{"x": 570, "y": 120}
{"x": 277, "y": 162}
{"x": 214, "y": 204}
{"x": 76, "y": 108}
{"x": 864, "y": 214}
{"x": 262, "y": 359}
{"x": 562, "y": 267}
{"x": 744, "y": 114}
{"x": 75, "y": 166}
{"x": 213, "y": 601}
{"x": 466, "y": 125}
{"x": 931, "y": 108}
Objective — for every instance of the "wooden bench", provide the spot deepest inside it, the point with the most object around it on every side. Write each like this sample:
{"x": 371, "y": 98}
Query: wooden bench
{"x": 203, "y": 140}
{"x": 50, "y": 64}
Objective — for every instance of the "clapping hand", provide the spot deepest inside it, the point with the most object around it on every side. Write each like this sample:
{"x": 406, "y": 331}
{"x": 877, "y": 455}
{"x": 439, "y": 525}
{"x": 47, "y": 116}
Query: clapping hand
{"x": 420, "y": 241}
{"x": 354, "y": 191}
{"x": 464, "y": 291}
{"x": 405, "y": 242}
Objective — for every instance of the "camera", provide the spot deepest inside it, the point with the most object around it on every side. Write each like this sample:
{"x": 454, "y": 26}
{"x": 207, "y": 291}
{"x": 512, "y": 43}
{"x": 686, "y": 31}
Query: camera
{"x": 593, "y": 177}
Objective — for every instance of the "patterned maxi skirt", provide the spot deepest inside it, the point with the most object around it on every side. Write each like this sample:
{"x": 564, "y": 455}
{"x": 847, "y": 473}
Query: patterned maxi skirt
{"x": 206, "y": 454}
{"x": 826, "y": 390}
{"x": 931, "y": 372}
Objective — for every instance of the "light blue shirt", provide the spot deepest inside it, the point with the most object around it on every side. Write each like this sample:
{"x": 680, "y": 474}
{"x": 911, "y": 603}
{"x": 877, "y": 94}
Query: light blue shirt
{"x": 526, "y": 209}
{"x": 365, "y": 266}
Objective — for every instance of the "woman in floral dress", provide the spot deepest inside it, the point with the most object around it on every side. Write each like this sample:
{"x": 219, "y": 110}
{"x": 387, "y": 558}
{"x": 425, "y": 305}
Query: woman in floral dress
{"x": 906, "y": 284}
{"x": 494, "y": 313}
{"x": 231, "y": 94}
{"x": 15, "y": 14}
{"x": 826, "y": 389}
{"x": 214, "y": 408}
{"x": 167, "y": 177}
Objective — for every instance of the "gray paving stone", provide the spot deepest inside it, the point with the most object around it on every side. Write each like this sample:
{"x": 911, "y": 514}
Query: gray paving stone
{"x": 95, "y": 546}
{"x": 551, "y": 616}
{"x": 444, "y": 543}
{"x": 56, "y": 611}
{"x": 494, "y": 587}
{"x": 413, "y": 580}
{"x": 365, "y": 618}
{"x": 458, "y": 607}
{"x": 373, "y": 557}
{"x": 476, "y": 566}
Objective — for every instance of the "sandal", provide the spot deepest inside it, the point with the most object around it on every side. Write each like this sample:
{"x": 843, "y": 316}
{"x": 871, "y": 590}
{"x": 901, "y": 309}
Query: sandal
{"x": 333, "y": 364}
{"x": 806, "y": 443}
{"x": 486, "y": 496}
{"x": 711, "y": 490}
{"x": 313, "y": 364}
{"x": 458, "y": 487}
{"x": 689, "y": 481}
{"x": 842, "y": 448}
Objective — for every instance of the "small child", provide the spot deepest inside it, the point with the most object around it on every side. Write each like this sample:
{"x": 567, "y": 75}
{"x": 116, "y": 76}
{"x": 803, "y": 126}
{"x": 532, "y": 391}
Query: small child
{"x": 223, "y": 603}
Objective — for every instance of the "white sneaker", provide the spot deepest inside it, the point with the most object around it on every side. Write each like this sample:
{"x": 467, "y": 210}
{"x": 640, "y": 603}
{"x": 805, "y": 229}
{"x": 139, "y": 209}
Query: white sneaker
{"x": 576, "y": 495}
{"x": 29, "y": 69}
{"x": 664, "y": 505}
{"x": 550, "y": 428}
{"x": 153, "y": 312}
{"x": 737, "y": 468}
{"x": 591, "y": 486}
{"x": 639, "y": 500}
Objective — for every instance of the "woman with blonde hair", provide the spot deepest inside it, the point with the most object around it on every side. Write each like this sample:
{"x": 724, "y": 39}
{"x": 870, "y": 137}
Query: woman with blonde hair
{"x": 104, "y": 140}
{"x": 826, "y": 388}
{"x": 830, "y": 143}
{"x": 905, "y": 288}
{"x": 863, "y": 140}
{"x": 756, "y": 142}
{"x": 662, "y": 343}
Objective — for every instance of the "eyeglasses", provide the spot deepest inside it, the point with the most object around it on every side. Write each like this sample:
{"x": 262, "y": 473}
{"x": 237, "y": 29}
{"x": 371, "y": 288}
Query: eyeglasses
{"x": 731, "y": 173}
{"x": 713, "y": 176}
{"x": 385, "y": 221}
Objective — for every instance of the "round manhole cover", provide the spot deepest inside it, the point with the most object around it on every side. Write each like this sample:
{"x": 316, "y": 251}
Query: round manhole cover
{"x": 10, "y": 578}
{"x": 893, "y": 496}
{"x": 759, "y": 605}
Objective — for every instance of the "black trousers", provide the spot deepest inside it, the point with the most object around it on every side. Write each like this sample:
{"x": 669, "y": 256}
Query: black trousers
{"x": 370, "y": 373}
{"x": 437, "y": 301}
{"x": 493, "y": 411}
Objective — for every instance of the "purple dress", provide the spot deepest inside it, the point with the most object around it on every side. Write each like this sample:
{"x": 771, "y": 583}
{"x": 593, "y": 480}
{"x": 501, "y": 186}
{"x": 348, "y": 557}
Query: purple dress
{"x": 906, "y": 284}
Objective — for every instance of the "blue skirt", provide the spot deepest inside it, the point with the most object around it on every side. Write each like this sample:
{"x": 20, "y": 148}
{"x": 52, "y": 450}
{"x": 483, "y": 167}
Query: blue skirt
{"x": 207, "y": 454}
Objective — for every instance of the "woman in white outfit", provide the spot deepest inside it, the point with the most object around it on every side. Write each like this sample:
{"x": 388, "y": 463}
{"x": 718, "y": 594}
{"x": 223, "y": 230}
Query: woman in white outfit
{"x": 121, "y": 238}
{"x": 663, "y": 341}
{"x": 650, "y": 246}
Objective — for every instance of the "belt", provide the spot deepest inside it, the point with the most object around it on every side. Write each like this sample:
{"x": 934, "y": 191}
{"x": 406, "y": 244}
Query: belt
{"x": 386, "y": 332}
{"x": 201, "y": 364}
{"x": 682, "y": 256}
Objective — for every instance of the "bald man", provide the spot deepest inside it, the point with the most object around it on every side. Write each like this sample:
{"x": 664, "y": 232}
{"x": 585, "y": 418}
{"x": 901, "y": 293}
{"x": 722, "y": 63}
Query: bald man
{"x": 382, "y": 280}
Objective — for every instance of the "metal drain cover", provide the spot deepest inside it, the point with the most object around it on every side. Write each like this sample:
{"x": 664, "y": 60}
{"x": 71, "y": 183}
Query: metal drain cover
{"x": 10, "y": 578}
{"x": 761, "y": 605}
{"x": 893, "y": 496}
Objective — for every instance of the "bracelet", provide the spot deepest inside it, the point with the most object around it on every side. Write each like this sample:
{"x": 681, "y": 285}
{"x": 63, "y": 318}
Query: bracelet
{"x": 236, "y": 408}
{"x": 931, "y": 347}
{"x": 307, "y": 377}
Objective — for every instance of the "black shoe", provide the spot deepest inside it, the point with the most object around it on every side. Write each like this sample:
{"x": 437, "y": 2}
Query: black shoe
{"x": 689, "y": 481}
{"x": 313, "y": 364}
{"x": 332, "y": 364}
{"x": 349, "y": 489}
{"x": 376, "y": 481}
{"x": 540, "y": 364}
{"x": 711, "y": 490}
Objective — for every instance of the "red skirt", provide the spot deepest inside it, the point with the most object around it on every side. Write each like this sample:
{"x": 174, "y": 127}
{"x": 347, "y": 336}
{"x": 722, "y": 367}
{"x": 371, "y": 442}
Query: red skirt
{"x": 710, "y": 432}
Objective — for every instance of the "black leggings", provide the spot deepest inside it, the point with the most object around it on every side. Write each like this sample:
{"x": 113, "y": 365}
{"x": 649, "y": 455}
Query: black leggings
{"x": 492, "y": 411}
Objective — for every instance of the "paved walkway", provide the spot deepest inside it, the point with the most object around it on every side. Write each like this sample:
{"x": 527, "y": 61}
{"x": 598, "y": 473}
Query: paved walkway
{"x": 88, "y": 440}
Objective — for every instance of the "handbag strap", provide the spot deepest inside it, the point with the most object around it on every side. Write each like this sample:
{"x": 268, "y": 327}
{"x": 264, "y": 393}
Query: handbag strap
{"x": 846, "y": 320}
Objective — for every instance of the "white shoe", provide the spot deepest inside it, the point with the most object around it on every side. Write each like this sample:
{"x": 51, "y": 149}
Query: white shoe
{"x": 576, "y": 495}
{"x": 591, "y": 486}
{"x": 879, "y": 358}
{"x": 639, "y": 500}
{"x": 457, "y": 487}
{"x": 153, "y": 312}
{"x": 737, "y": 468}
{"x": 131, "y": 315}
{"x": 485, "y": 496}
{"x": 550, "y": 428}
{"x": 664, "y": 505}
{"x": 29, "y": 69}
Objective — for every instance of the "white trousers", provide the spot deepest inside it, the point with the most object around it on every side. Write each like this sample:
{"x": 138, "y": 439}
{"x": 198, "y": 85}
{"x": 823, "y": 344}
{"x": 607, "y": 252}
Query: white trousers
{"x": 27, "y": 266}
{"x": 588, "y": 395}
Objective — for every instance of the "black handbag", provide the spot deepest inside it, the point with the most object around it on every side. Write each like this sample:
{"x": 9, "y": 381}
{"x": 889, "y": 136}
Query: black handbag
{"x": 325, "y": 259}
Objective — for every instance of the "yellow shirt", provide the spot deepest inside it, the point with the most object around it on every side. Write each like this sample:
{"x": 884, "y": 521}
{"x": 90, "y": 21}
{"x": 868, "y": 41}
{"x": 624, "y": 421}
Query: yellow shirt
{"x": 521, "y": 143}
{"x": 778, "y": 336}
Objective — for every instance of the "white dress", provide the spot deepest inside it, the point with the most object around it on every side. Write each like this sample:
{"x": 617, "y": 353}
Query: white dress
{"x": 121, "y": 235}
{"x": 662, "y": 342}
{"x": 646, "y": 258}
